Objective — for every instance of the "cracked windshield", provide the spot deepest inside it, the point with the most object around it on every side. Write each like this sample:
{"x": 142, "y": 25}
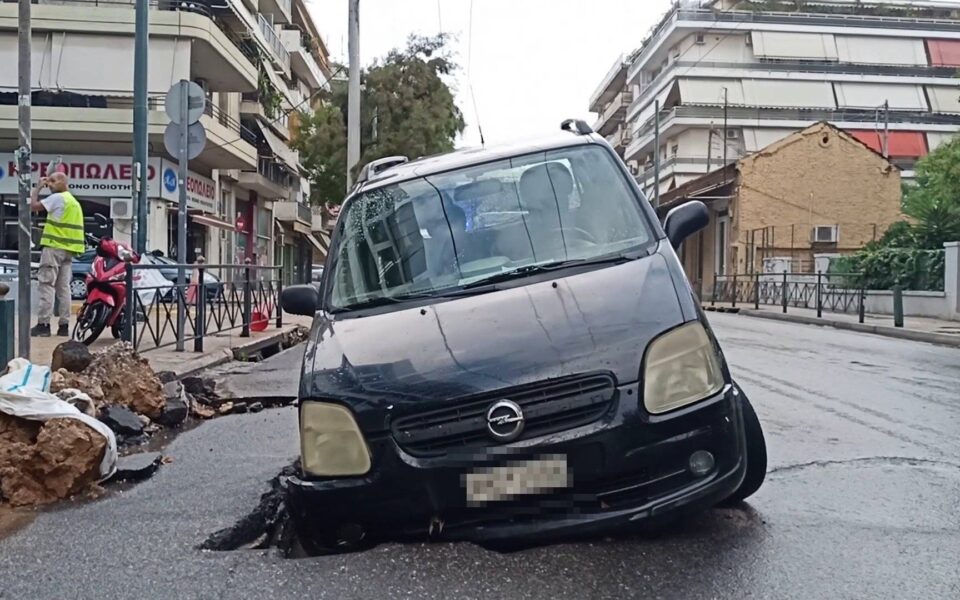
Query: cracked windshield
{"x": 442, "y": 232}
{"x": 564, "y": 299}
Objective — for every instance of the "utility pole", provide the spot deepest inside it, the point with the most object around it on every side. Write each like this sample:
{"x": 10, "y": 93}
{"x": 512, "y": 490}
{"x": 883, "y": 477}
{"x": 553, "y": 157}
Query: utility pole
{"x": 710, "y": 147}
{"x": 353, "y": 90}
{"x": 886, "y": 129}
{"x": 139, "y": 172}
{"x": 656, "y": 154}
{"x": 724, "y": 127}
{"x": 24, "y": 163}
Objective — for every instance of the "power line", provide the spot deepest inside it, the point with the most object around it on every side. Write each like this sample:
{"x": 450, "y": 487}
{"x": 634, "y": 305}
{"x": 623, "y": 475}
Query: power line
{"x": 473, "y": 97}
{"x": 439, "y": 18}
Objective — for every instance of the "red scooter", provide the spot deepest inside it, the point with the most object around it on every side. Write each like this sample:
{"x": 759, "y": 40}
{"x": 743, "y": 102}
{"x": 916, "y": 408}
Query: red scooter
{"x": 106, "y": 291}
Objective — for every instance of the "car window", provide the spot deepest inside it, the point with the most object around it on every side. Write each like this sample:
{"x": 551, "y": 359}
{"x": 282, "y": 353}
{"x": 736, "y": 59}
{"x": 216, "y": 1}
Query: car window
{"x": 445, "y": 231}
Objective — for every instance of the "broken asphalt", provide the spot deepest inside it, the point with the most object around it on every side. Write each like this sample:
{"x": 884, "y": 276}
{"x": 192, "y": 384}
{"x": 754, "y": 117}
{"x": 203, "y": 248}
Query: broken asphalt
{"x": 860, "y": 502}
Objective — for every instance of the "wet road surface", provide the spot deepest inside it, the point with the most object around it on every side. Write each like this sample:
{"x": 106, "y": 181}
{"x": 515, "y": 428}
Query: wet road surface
{"x": 860, "y": 502}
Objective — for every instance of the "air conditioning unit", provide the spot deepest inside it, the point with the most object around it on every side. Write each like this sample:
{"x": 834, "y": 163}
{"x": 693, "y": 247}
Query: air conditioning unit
{"x": 121, "y": 208}
{"x": 733, "y": 134}
{"x": 699, "y": 39}
{"x": 824, "y": 234}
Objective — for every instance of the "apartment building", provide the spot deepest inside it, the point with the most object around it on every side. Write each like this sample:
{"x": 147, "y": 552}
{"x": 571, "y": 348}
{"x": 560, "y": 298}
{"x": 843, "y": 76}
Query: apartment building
{"x": 258, "y": 62}
{"x": 731, "y": 77}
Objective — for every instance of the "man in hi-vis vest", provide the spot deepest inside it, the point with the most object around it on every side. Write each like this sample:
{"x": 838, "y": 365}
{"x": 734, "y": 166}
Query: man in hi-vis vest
{"x": 62, "y": 239}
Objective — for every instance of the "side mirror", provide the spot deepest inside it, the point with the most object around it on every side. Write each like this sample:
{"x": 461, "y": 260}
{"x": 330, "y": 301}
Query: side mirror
{"x": 101, "y": 220}
{"x": 685, "y": 220}
{"x": 300, "y": 300}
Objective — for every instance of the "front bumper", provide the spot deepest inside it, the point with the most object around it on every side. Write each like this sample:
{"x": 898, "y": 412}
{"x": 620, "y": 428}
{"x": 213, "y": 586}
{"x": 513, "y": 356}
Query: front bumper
{"x": 627, "y": 469}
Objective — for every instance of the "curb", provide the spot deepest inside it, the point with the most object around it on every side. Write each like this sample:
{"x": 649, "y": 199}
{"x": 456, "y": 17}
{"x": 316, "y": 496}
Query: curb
{"x": 886, "y": 331}
{"x": 221, "y": 357}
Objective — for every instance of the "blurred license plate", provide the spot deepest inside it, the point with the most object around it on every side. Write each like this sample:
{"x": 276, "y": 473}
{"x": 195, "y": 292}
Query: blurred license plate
{"x": 517, "y": 478}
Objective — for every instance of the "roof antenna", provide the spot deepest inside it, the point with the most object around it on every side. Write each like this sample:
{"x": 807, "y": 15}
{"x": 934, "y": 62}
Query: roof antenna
{"x": 473, "y": 97}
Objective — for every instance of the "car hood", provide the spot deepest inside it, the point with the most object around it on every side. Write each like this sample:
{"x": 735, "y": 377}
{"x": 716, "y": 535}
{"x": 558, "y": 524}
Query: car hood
{"x": 599, "y": 320}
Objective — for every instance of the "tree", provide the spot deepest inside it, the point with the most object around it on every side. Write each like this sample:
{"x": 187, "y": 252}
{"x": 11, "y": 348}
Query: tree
{"x": 407, "y": 107}
{"x": 934, "y": 202}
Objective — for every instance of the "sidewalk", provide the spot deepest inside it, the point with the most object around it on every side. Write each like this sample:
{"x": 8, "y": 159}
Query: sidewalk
{"x": 934, "y": 331}
{"x": 218, "y": 348}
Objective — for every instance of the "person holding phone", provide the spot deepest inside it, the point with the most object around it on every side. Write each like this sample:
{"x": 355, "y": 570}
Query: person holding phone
{"x": 61, "y": 240}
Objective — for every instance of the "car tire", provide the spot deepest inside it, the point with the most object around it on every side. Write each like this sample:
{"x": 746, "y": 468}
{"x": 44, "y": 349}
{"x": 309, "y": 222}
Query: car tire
{"x": 756, "y": 457}
{"x": 78, "y": 288}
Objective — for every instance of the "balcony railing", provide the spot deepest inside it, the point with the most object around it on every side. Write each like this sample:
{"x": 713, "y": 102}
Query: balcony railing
{"x": 273, "y": 41}
{"x": 273, "y": 171}
{"x": 788, "y": 68}
{"x": 712, "y": 18}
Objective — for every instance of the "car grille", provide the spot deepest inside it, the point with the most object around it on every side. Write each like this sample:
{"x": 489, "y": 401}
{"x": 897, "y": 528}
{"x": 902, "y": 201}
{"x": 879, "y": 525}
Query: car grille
{"x": 548, "y": 407}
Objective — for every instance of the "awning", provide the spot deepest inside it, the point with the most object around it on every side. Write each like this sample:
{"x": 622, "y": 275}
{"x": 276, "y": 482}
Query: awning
{"x": 212, "y": 222}
{"x": 872, "y": 95}
{"x": 301, "y": 228}
{"x": 280, "y": 149}
{"x": 315, "y": 242}
{"x": 324, "y": 238}
{"x": 787, "y": 45}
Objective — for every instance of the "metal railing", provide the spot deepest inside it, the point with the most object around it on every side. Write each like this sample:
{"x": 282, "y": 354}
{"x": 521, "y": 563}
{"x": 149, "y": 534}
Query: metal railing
{"x": 244, "y": 297}
{"x": 273, "y": 41}
{"x": 831, "y": 292}
{"x": 787, "y": 67}
{"x": 273, "y": 171}
{"x": 712, "y": 18}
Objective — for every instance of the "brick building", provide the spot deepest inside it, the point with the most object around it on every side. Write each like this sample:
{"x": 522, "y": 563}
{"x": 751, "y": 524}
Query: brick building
{"x": 815, "y": 193}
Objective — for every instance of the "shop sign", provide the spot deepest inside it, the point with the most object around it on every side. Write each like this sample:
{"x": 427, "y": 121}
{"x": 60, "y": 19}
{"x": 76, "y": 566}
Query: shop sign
{"x": 90, "y": 175}
{"x": 201, "y": 191}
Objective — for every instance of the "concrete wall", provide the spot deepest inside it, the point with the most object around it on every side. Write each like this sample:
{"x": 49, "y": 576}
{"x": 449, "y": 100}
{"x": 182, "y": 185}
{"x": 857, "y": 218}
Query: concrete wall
{"x": 817, "y": 177}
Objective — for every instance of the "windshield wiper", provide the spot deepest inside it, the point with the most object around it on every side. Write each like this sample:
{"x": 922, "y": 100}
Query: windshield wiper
{"x": 526, "y": 270}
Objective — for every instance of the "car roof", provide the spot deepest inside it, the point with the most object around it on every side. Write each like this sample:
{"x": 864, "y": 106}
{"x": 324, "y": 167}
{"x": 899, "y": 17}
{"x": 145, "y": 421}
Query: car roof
{"x": 467, "y": 157}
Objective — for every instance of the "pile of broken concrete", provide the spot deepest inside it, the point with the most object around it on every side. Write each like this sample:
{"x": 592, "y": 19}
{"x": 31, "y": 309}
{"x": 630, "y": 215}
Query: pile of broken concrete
{"x": 45, "y": 461}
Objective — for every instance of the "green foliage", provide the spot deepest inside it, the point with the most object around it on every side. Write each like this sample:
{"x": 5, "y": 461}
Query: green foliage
{"x": 407, "y": 107}
{"x": 269, "y": 94}
{"x": 910, "y": 254}
{"x": 883, "y": 268}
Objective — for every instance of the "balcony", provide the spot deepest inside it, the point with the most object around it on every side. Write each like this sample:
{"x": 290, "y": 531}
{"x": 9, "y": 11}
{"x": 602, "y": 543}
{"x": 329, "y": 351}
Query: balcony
{"x": 73, "y": 123}
{"x": 303, "y": 63}
{"x": 277, "y": 50}
{"x": 280, "y": 10}
{"x": 712, "y": 20}
{"x": 271, "y": 180}
{"x": 791, "y": 69}
{"x": 215, "y": 53}
{"x": 614, "y": 113}
{"x": 278, "y": 121}
{"x": 620, "y": 138}
{"x": 293, "y": 212}
{"x": 611, "y": 82}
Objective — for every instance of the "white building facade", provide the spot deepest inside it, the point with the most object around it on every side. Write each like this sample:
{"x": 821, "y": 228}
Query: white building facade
{"x": 258, "y": 62}
{"x": 733, "y": 76}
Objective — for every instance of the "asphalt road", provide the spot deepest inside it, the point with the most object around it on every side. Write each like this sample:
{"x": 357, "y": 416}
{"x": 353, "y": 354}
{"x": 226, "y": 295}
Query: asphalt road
{"x": 860, "y": 502}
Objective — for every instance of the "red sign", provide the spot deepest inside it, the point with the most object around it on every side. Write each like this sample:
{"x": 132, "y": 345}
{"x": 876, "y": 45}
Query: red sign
{"x": 241, "y": 223}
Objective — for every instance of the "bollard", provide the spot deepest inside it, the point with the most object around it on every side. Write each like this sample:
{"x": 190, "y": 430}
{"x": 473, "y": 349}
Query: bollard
{"x": 784, "y": 292}
{"x": 897, "y": 306}
{"x": 130, "y": 307}
{"x": 819, "y": 301}
{"x": 8, "y": 319}
{"x": 247, "y": 300}
{"x": 713, "y": 297}
{"x": 860, "y": 309}
{"x": 736, "y": 290}
{"x": 756, "y": 292}
{"x": 279, "y": 291}
{"x": 200, "y": 323}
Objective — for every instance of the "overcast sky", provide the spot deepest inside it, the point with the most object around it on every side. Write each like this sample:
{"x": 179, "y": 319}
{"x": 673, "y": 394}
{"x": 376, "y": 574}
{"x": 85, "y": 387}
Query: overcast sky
{"x": 531, "y": 63}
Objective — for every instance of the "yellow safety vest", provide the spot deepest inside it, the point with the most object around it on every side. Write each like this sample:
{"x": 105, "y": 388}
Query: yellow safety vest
{"x": 67, "y": 233}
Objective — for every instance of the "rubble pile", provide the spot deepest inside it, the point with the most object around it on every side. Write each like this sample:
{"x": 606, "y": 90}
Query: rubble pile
{"x": 41, "y": 462}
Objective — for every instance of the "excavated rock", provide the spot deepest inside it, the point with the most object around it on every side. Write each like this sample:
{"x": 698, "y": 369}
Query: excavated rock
{"x": 177, "y": 405}
{"x": 64, "y": 380}
{"x": 44, "y": 462}
{"x": 122, "y": 420}
{"x": 72, "y": 356}
{"x": 79, "y": 400}
{"x": 127, "y": 380}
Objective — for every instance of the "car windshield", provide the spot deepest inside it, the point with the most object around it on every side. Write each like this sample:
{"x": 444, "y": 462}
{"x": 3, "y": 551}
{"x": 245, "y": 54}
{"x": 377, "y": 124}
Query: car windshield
{"x": 441, "y": 233}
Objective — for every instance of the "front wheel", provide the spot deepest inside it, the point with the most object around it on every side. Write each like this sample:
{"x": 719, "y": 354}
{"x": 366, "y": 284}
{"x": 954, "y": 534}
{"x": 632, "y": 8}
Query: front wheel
{"x": 91, "y": 320}
{"x": 756, "y": 457}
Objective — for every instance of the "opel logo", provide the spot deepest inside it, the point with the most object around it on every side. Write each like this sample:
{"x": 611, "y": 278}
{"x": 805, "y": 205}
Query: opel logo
{"x": 505, "y": 420}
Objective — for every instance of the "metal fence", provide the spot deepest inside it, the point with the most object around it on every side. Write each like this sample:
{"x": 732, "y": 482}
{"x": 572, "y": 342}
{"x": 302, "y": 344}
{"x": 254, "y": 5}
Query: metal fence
{"x": 230, "y": 297}
{"x": 831, "y": 292}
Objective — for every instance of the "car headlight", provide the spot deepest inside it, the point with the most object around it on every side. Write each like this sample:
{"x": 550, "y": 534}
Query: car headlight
{"x": 681, "y": 368}
{"x": 331, "y": 443}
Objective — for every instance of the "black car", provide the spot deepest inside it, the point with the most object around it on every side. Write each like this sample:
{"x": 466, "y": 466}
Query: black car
{"x": 539, "y": 375}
